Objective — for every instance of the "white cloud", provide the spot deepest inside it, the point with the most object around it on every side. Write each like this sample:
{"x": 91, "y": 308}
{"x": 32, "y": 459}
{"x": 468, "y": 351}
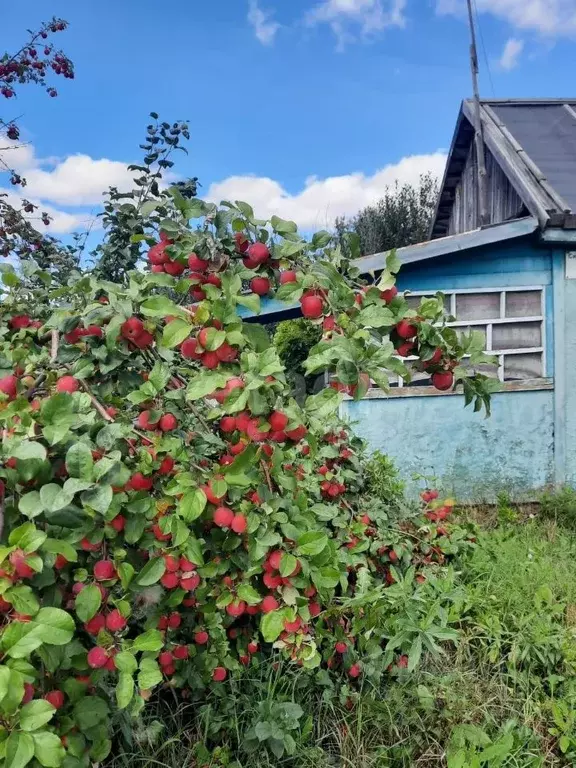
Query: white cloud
{"x": 264, "y": 29}
{"x": 74, "y": 180}
{"x": 62, "y": 222}
{"x": 368, "y": 16}
{"x": 511, "y": 54}
{"x": 553, "y": 18}
{"x": 322, "y": 200}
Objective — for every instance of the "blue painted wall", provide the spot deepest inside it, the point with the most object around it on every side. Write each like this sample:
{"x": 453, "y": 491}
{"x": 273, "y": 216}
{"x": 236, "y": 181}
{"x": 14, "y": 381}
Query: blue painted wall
{"x": 473, "y": 457}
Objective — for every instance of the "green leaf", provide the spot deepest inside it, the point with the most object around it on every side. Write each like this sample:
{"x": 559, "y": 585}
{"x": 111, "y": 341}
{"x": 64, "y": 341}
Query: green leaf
{"x": 272, "y": 626}
{"x": 52, "y": 626}
{"x": 79, "y": 461}
{"x": 23, "y": 599}
{"x": 151, "y": 573}
{"x": 249, "y": 300}
{"x": 160, "y": 306}
{"x": 61, "y": 547}
{"x": 393, "y": 263}
{"x": 326, "y": 578}
{"x": 29, "y": 450}
{"x": 244, "y": 460}
{"x": 27, "y": 537}
{"x": 282, "y": 226}
{"x": 204, "y": 384}
{"x": 126, "y": 662}
{"x": 15, "y": 693}
{"x": 175, "y": 333}
{"x": 4, "y": 681}
{"x": 19, "y": 750}
{"x": 101, "y": 748}
{"x": 324, "y": 404}
{"x": 191, "y": 505}
{"x": 99, "y": 498}
{"x": 53, "y": 497}
{"x": 88, "y": 602}
{"x": 159, "y": 376}
{"x": 108, "y": 436}
{"x": 321, "y": 239}
{"x": 288, "y": 564}
{"x": 149, "y": 674}
{"x": 312, "y": 543}
{"x": 214, "y": 338}
{"x": 376, "y": 316}
{"x": 74, "y": 485}
{"x": 194, "y": 551}
{"x": 126, "y": 574}
{"x": 245, "y": 209}
{"x": 149, "y": 641}
{"x": 249, "y": 594}
{"x": 30, "y": 504}
{"x": 48, "y": 749}
{"x": 36, "y": 714}
{"x": 90, "y": 711}
{"x": 124, "y": 690}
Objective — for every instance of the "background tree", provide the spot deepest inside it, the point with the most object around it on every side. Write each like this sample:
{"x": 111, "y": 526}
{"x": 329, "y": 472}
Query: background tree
{"x": 401, "y": 217}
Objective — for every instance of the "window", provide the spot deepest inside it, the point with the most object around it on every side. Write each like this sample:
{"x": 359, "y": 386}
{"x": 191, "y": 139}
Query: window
{"x": 512, "y": 322}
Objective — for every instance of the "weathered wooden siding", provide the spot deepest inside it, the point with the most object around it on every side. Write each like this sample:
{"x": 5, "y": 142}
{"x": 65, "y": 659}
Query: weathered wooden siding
{"x": 503, "y": 202}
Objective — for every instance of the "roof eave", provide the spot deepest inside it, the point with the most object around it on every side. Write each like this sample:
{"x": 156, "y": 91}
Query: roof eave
{"x": 444, "y": 246}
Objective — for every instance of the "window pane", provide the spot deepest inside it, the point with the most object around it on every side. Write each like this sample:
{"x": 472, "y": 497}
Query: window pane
{"x": 478, "y": 306}
{"x": 523, "y": 366}
{"x": 484, "y": 368}
{"x": 523, "y": 303}
{"x": 516, "y": 335}
{"x": 419, "y": 379}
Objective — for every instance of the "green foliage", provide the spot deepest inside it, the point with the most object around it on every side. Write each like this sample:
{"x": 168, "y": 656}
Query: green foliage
{"x": 173, "y": 515}
{"x": 294, "y": 339}
{"x": 560, "y": 506}
{"x": 402, "y": 217}
{"x": 383, "y": 480}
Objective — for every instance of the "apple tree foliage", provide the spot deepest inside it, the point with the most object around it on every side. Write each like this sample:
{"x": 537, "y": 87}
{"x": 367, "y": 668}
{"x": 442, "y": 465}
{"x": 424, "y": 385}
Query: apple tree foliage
{"x": 169, "y": 514}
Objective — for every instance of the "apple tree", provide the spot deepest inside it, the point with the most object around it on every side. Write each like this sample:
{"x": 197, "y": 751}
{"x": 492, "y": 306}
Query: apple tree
{"x": 169, "y": 514}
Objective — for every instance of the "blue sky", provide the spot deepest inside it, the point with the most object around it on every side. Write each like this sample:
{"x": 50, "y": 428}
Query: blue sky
{"x": 301, "y": 107}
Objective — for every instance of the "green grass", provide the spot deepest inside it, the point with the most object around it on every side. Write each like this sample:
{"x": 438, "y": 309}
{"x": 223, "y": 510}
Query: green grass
{"x": 497, "y": 693}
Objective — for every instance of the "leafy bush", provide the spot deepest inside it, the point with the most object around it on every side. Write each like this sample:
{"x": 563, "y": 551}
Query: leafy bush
{"x": 171, "y": 514}
{"x": 383, "y": 480}
{"x": 294, "y": 339}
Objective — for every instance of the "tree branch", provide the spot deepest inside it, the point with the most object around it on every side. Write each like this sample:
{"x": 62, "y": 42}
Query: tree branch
{"x": 29, "y": 394}
{"x": 95, "y": 402}
{"x": 54, "y": 342}
{"x": 267, "y": 474}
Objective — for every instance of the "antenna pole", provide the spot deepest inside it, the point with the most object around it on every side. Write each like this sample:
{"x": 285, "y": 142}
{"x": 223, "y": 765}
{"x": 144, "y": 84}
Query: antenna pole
{"x": 478, "y": 133}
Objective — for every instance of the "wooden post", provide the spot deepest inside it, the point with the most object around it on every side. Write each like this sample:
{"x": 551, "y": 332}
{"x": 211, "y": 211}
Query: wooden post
{"x": 478, "y": 133}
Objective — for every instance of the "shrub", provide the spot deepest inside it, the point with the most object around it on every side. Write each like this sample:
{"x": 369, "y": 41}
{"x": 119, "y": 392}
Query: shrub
{"x": 383, "y": 480}
{"x": 294, "y": 339}
{"x": 171, "y": 514}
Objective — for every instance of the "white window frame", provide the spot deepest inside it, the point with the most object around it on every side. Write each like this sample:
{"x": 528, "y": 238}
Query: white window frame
{"x": 489, "y": 324}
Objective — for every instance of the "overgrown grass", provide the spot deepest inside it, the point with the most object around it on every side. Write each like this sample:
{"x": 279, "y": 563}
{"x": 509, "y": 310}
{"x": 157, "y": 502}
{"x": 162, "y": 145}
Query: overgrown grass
{"x": 504, "y": 696}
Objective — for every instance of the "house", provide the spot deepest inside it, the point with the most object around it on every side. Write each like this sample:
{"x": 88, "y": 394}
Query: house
{"x": 513, "y": 279}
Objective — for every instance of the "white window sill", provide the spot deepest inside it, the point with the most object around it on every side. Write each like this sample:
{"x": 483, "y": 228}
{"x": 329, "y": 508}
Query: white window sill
{"x": 526, "y": 385}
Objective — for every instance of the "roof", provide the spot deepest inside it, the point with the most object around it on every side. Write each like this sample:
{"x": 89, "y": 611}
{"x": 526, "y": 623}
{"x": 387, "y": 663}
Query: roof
{"x": 444, "y": 246}
{"x": 533, "y": 141}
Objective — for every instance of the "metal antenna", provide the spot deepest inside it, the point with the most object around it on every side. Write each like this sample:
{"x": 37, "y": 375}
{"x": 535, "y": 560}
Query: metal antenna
{"x": 478, "y": 133}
